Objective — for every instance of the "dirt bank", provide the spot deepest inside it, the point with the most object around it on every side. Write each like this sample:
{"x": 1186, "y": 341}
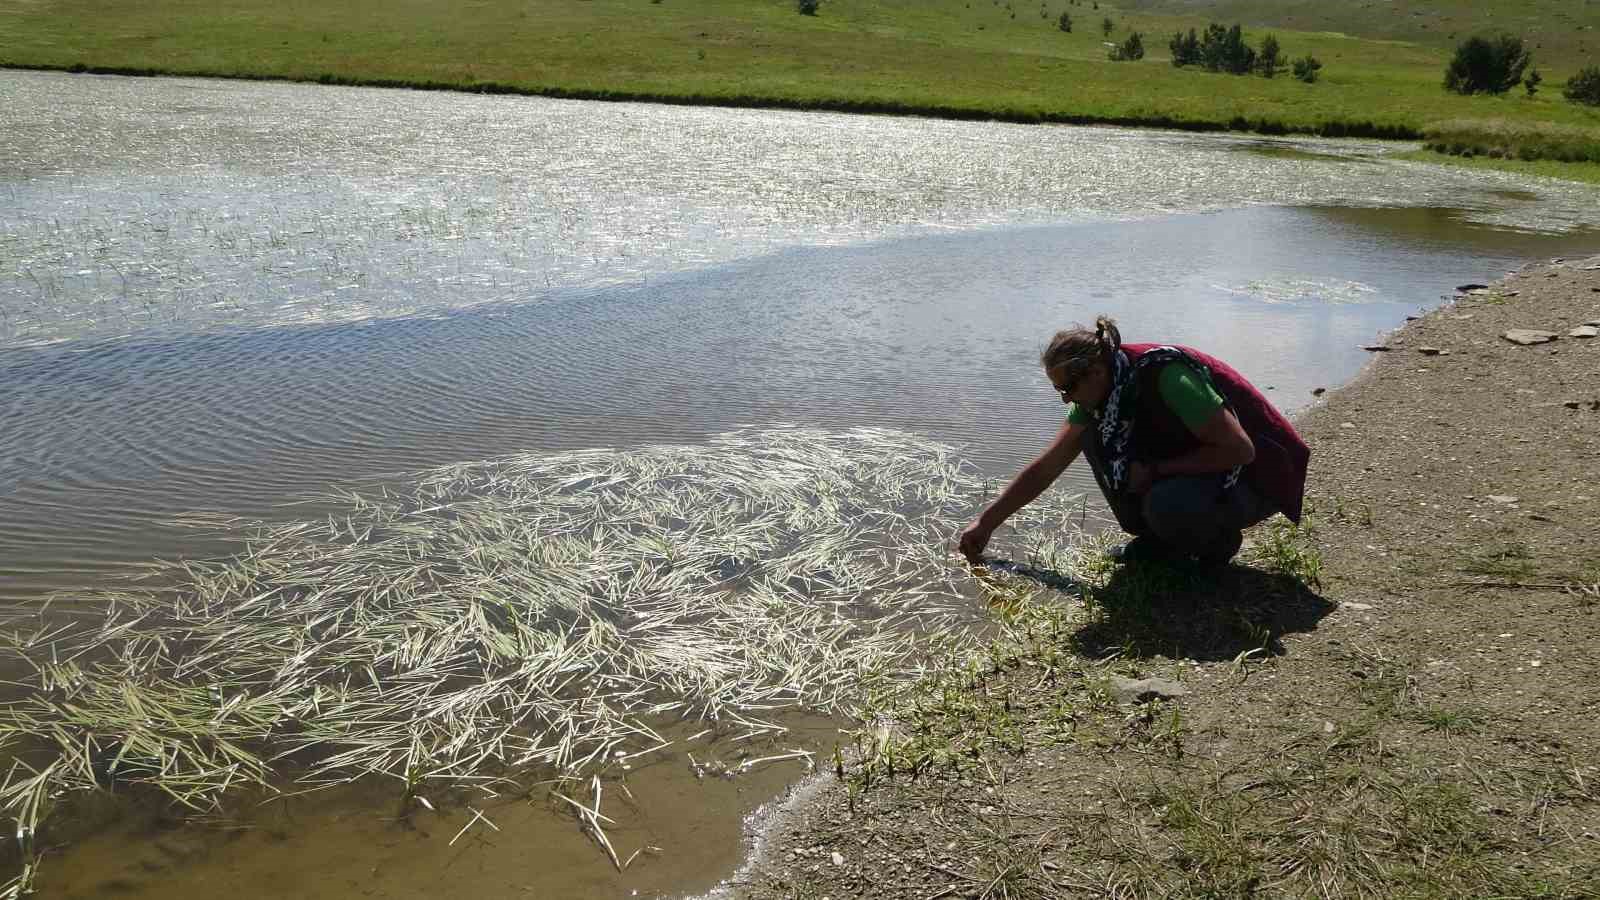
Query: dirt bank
{"x": 1423, "y": 719}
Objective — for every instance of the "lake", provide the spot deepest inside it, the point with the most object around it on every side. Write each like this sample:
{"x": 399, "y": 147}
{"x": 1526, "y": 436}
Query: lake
{"x": 225, "y": 299}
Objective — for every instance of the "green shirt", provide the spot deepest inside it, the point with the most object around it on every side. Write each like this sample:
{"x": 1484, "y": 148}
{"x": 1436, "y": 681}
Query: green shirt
{"x": 1187, "y": 394}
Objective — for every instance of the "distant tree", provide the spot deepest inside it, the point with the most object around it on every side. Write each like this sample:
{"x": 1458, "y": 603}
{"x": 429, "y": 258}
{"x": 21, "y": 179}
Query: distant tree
{"x": 1185, "y": 49}
{"x": 1306, "y": 68}
{"x": 1532, "y": 82}
{"x": 1064, "y": 23}
{"x": 1224, "y": 50}
{"x": 1106, "y": 26}
{"x": 1584, "y": 87}
{"x": 1269, "y": 59}
{"x": 1130, "y": 49}
{"x": 1484, "y": 66}
{"x": 808, "y": 7}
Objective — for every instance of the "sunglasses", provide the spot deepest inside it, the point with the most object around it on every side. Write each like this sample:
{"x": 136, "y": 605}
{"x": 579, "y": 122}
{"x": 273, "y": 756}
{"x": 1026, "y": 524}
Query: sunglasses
{"x": 1070, "y": 382}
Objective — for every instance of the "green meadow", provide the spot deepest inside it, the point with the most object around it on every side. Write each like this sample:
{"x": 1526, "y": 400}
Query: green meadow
{"x": 1002, "y": 59}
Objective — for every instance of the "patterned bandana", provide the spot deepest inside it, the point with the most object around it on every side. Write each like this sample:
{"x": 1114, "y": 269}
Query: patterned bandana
{"x": 1116, "y": 432}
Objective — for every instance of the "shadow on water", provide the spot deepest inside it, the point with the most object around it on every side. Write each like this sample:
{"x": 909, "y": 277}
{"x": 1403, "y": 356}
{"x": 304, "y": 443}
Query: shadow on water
{"x": 1181, "y": 612}
{"x": 1281, "y": 151}
{"x": 1430, "y": 229}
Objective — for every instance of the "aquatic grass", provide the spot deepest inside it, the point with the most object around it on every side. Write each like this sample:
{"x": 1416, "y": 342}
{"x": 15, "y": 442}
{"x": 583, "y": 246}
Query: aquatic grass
{"x": 497, "y": 622}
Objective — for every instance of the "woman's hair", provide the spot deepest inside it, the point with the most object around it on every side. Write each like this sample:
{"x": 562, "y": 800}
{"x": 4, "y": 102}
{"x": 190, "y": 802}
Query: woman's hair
{"x": 1081, "y": 347}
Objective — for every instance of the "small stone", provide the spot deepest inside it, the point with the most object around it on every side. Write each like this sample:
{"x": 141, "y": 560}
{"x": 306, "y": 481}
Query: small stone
{"x": 1347, "y": 424}
{"x": 1431, "y": 351}
{"x": 1350, "y": 604}
{"x": 1471, "y": 287}
{"x": 1327, "y": 728}
{"x": 838, "y": 858}
{"x": 1130, "y": 690}
{"x": 1585, "y": 331}
{"x": 1377, "y": 348}
{"x": 1527, "y": 336}
{"x": 1318, "y": 392}
{"x": 1502, "y": 498}
{"x": 180, "y": 849}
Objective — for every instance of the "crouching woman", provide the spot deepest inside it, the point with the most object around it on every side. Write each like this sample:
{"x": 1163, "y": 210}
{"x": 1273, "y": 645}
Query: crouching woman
{"x": 1187, "y": 452}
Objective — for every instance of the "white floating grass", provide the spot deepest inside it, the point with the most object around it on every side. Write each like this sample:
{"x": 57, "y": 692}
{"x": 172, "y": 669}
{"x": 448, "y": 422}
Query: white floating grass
{"x": 500, "y": 620}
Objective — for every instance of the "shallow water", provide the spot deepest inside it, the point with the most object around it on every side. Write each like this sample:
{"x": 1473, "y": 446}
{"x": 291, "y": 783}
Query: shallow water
{"x": 222, "y": 297}
{"x": 107, "y": 442}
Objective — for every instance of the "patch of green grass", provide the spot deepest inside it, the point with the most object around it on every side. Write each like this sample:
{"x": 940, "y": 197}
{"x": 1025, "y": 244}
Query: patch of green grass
{"x": 1449, "y": 720}
{"x": 1289, "y": 549}
{"x": 936, "y": 57}
{"x": 1512, "y": 561}
{"x": 1296, "y": 820}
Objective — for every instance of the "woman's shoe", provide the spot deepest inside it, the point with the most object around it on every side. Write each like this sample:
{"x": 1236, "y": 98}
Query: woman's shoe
{"x": 1143, "y": 549}
{"x": 1220, "y": 553}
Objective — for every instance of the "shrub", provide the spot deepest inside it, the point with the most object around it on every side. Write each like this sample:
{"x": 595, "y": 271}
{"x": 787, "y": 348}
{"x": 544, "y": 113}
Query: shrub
{"x": 1532, "y": 82}
{"x": 1065, "y": 22}
{"x": 1306, "y": 68}
{"x": 1185, "y": 49}
{"x": 1270, "y": 59}
{"x": 1130, "y": 49}
{"x": 809, "y": 7}
{"x": 1482, "y": 66}
{"x": 1106, "y": 25}
{"x": 1584, "y": 87}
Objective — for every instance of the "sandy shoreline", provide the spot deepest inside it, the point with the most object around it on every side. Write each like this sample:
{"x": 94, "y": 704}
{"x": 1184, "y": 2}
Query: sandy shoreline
{"x": 1425, "y": 725}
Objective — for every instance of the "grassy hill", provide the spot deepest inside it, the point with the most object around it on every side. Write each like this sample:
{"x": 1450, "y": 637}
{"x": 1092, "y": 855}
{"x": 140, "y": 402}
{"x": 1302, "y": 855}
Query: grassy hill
{"x": 1003, "y": 59}
{"x": 1565, "y": 34}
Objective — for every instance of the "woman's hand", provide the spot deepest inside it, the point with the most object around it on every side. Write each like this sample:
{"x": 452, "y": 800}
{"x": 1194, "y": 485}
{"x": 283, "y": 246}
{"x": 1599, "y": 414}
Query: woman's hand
{"x": 973, "y": 540}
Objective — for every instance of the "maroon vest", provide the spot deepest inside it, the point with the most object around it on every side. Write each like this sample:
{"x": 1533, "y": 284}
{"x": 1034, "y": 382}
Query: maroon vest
{"x": 1279, "y": 470}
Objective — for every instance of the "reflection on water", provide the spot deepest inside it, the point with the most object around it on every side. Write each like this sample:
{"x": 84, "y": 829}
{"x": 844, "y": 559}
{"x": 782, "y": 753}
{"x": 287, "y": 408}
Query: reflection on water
{"x": 136, "y": 206}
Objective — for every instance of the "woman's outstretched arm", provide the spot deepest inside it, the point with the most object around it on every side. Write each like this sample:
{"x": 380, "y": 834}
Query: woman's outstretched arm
{"x": 1029, "y": 483}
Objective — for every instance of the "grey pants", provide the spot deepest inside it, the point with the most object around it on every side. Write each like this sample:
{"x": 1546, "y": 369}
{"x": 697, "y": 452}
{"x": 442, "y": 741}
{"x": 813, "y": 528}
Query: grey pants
{"x": 1190, "y": 513}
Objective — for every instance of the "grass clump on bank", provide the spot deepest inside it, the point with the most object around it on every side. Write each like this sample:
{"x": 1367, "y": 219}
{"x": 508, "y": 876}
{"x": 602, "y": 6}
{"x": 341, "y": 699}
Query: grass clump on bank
{"x": 498, "y": 624}
{"x": 1503, "y": 139}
